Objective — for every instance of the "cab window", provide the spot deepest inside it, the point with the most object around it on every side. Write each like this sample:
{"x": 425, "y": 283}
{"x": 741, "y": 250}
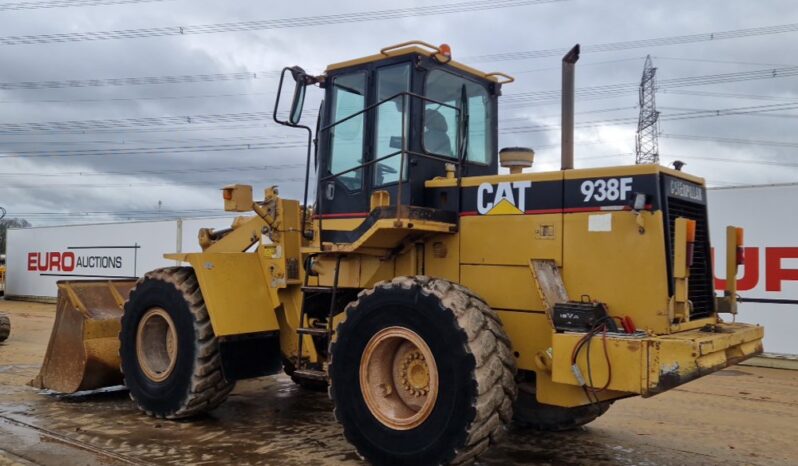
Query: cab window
{"x": 347, "y": 138}
{"x": 440, "y": 122}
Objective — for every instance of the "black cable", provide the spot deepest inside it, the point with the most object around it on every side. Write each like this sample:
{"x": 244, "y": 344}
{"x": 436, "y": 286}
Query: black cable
{"x": 137, "y": 81}
{"x": 16, "y": 6}
{"x": 270, "y": 24}
{"x": 639, "y": 43}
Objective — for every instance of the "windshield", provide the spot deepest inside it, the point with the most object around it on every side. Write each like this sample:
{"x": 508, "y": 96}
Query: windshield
{"x": 440, "y": 122}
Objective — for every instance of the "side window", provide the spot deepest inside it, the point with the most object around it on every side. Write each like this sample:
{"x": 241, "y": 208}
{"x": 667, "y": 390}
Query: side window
{"x": 391, "y": 80}
{"x": 440, "y": 122}
{"x": 347, "y": 138}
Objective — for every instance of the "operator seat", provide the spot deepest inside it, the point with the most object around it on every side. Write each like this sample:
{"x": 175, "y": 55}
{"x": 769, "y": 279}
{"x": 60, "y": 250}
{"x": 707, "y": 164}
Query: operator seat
{"x": 436, "y": 138}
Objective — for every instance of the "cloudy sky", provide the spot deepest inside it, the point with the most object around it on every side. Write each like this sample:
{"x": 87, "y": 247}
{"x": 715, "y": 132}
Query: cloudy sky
{"x": 84, "y": 137}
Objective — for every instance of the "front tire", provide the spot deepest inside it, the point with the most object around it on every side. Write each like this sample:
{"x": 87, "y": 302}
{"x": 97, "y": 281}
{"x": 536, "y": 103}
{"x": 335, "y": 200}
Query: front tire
{"x": 170, "y": 355}
{"x": 5, "y": 327}
{"x": 421, "y": 373}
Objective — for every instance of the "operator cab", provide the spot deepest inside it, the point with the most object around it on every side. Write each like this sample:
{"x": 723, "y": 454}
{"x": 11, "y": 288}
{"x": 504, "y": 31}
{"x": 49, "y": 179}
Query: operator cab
{"x": 392, "y": 121}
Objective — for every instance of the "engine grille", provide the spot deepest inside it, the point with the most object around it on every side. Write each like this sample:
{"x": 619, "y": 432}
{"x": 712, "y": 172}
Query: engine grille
{"x": 700, "y": 284}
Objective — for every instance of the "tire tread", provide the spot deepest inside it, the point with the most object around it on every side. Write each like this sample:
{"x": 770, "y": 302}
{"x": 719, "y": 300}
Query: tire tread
{"x": 486, "y": 341}
{"x": 208, "y": 388}
{"x": 5, "y": 327}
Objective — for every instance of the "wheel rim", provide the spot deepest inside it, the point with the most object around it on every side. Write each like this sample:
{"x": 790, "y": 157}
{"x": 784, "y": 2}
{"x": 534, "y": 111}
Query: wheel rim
{"x": 156, "y": 344}
{"x": 399, "y": 378}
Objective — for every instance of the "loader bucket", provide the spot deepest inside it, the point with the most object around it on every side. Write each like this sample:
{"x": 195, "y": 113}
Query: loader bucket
{"x": 83, "y": 353}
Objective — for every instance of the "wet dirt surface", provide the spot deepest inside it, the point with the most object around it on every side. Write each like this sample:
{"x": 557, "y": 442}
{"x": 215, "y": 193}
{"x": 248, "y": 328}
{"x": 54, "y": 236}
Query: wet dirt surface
{"x": 742, "y": 415}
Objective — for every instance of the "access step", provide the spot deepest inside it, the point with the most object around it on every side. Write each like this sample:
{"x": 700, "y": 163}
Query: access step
{"x": 310, "y": 374}
{"x": 316, "y": 332}
{"x": 317, "y": 289}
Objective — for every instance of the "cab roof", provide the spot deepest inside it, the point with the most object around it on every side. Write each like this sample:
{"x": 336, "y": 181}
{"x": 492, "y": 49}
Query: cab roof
{"x": 424, "y": 49}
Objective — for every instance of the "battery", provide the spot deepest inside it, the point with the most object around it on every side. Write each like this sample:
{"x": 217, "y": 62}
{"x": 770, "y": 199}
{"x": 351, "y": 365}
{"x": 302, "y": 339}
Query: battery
{"x": 576, "y": 316}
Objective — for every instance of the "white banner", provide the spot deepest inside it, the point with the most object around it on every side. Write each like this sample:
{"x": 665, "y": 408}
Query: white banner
{"x": 769, "y": 215}
{"x": 38, "y": 257}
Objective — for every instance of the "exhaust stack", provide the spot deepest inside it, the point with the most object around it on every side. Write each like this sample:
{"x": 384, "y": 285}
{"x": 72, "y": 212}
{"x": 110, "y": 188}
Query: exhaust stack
{"x": 568, "y": 97}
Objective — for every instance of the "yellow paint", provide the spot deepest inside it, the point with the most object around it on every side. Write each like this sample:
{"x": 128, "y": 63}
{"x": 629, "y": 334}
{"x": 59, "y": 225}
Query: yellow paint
{"x": 557, "y": 394}
{"x": 447, "y": 266}
{"x": 650, "y": 365}
{"x": 530, "y": 333}
{"x": 388, "y": 234}
{"x": 622, "y": 268}
{"x": 510, "y": 239}
{"x": 504, "y": 287}
{"x": 233, "y": 288}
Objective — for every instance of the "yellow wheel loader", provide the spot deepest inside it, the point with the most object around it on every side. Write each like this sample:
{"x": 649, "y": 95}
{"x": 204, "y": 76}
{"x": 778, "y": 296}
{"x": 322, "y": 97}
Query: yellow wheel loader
{"x": 437, "y": 298}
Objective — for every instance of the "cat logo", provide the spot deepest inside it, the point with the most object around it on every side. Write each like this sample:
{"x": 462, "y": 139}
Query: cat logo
{"x": 503, "y": 199}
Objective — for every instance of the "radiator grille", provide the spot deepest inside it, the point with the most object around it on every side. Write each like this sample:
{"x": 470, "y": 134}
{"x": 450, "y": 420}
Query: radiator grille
{"x": 700, "y": 288}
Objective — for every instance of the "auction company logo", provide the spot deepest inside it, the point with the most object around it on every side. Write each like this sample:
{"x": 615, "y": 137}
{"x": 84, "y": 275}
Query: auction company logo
{"x": 775, "y": 272}
{"x": 85, "y": 261}
{"x": 67, "y": 261}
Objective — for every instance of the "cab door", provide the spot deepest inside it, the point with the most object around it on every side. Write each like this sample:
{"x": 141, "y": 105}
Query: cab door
{"x": 345, "y": 139}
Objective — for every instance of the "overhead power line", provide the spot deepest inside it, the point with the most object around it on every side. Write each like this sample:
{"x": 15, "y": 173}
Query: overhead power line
{"x": 199, "y": 119}
{"x": 159, "y": 172}
{"x": 205, "y": 183}
{"x": 14, "y": 6}
{"x": 603, "y": 91}
{"x": 261, "y": 25}
{"x": 137, "y": 81}
{"x": 135, "y": 99}
{"x": 729, "y": 95}
{"x": 776, "y": 163}
{"x": 614, "y": 90}
{"x": 753, "y": 142}
{"x": 639, "y": 43}
{"x": 671, "y": 117}
{"x": 152, "y": 150}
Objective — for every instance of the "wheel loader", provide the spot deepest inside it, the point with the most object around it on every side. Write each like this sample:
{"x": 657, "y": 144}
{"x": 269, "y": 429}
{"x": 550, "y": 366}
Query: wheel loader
{"x": 436, "y": 297}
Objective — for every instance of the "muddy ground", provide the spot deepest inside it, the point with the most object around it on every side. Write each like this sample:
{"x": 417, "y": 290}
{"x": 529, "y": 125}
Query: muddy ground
{"x": 742, "y": 415}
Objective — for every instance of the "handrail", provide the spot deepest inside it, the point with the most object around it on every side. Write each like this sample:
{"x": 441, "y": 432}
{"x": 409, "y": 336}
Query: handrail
{"x": 507, "y": 78}
{"x": 373, "y": 106}
{"x": 385, "y": 50}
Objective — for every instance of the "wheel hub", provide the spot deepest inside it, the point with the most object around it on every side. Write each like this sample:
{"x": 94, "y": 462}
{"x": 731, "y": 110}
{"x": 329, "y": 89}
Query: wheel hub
{"x": 398, "y": 378}
{"x": 415, "y": 374}
{"x": 156, "y": 344}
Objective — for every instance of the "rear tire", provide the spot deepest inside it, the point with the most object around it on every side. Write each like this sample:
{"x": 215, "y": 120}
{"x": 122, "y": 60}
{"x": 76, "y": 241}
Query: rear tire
{"x": 170, "y": 355}
{"x": 529, "y": 412}
{"x": 437, "y": 340}
{"x": 5, "y": 327}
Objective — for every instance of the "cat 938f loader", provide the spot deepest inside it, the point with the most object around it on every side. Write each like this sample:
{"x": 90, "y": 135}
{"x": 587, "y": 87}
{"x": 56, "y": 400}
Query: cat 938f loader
{"x": 436, "y": 298}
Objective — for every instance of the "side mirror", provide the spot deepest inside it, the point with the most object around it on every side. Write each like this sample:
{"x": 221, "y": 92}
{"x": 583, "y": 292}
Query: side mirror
{"x": 300, "y": 80}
